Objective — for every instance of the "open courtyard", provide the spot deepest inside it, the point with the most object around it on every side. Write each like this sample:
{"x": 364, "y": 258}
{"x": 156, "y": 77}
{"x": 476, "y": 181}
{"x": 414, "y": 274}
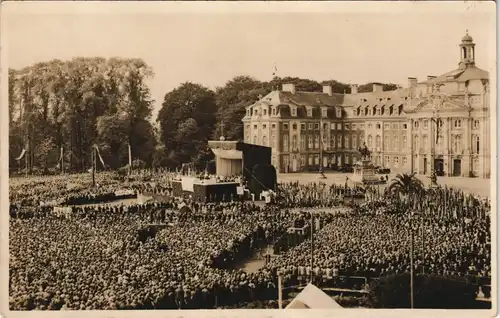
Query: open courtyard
{"x": 479, "y": 186}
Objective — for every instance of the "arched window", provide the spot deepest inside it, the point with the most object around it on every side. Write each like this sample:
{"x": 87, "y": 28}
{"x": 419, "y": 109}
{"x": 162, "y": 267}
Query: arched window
{"x": 457, "y": 144}
{"x": 377, "y": 141}
{"x": 316, "y": 142}
{"x": 332, "y": 142}
{"x": 395, "y": 142}
{"x": 339, "y": 142}
{"x": 477, "y": 144}
{"x": 415, "y": 142}
{"x": 425, "y": 141}
{"x": 370, "y": 141}
{"x": 403, "y": 142}
{"x": 294, "y": 142}
{"x": 386, "y": 142}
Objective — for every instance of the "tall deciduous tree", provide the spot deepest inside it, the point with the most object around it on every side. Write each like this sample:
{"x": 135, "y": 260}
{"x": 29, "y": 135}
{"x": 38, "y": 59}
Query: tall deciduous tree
{"x": 187, "y": 120}
{"x": 76, "y": 104}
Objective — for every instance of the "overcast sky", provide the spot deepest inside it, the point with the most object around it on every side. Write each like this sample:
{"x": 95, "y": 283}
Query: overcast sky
{"x": 353, "y": 42}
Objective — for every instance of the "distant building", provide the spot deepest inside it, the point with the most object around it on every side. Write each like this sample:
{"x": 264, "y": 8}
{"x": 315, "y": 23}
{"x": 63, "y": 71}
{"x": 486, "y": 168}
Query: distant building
{"x": 396, "y": 125}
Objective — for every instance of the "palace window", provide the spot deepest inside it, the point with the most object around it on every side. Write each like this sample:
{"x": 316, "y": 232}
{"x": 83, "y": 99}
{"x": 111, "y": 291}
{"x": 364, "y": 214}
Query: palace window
{"x": 415, "y": 142}
{"x": 255, "y": 127}
{"x": 425, "y": 140}
{"x": 273, "y": 126}
{"x": 458, "y": 123}
{"x": 273, "y": 141}
{"x": 405, "y": 126}
{"x": 370, "y": 126}
{"x": 316, "y": 142}
{"x": 255, "y": 112}
{"x": 285, "y": 126}
{"x": 265, "y": 112}
{"x": 332, "y": 142}
{"x": 386, "y": 126}
{"x": 294, "y": 112}
{"x": 339, "y": 126}
{"x": 405, "y": 160}
{"x": 339, "y": 142}
{"x": 415, "y": 124}
{"x": 403, "y": 142}
{"x": 346, "y": 142}
{"x": 354, "y": 127}
{"x": 316, "y": 126}
{"x": 264, "y": 141}
{"x": 378, "y": 139}
{"x": 386, "y": 142}
{"x": 395, "y": 142}
{"x": 370, "y": 141}
{"x": 339, "y": 112}
{"x": 477, "y": 144}
{"x": 476, "y": 124}
{"x": 302, "y": 142}
{"x": 303, "y": 126}
{"x": 346, "y": 126}
{"x": 362, "y": 126}
{"x": 294, "y": 126}
{"x": 309, "y": 142}
{"x": 310, "y": 126}
{"x": 457, "y": 144}
{"x": 325, "y": 126}
{"x": 285, "y": 143}
{"x": 294, "y": 142}
{"x": 378, "y": 126}
{"x": 274, "y": 111}
{"x": 396, "y": 160}
{"x": 426, "y": 123}
{"x": 354, "y": 142}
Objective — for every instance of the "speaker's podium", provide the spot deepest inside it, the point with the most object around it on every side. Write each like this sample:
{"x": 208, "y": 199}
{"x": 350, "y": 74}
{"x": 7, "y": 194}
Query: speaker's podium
{"x": 233, "y": 160}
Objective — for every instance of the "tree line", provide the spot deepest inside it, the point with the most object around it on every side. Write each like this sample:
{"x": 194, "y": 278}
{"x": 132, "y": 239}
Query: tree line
{"x": 60, "y": 110}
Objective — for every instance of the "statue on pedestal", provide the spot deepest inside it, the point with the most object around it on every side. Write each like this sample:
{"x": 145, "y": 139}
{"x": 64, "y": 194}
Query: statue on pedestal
{"x": 364, "y": 152}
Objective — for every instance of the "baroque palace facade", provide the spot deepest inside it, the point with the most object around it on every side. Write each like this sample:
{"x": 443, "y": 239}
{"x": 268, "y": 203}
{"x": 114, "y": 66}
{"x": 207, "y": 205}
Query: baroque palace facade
{"x": 444, "y": 119}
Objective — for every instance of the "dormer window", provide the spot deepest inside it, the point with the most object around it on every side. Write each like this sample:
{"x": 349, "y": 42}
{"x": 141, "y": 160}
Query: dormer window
{"x": 255, "y": 112}
{"x": 391, "y": 110}
{"x": 339, "y": 112}
{"x": 374, "y": 110}
{"x": 265, "y": 112}
{"x": 274, "y": 111}
{"x": 294, "y": 111}
{"x": 309, "y": 112}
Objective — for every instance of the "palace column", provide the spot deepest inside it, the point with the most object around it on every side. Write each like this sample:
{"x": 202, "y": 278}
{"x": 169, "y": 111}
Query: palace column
{"x": 467, "y": 151}
{"x": 447, "y": 157}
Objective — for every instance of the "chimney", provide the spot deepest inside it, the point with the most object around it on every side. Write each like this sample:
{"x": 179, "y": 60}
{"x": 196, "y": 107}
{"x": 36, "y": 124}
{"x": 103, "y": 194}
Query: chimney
{"x": 327, "y": 89}
{"x": 289, "y": 88}
{"x": 412, "y": 82}
{"x": 354, "y": 88}
{"x": 429, "y": 77}
{"x": 377, "y": 87}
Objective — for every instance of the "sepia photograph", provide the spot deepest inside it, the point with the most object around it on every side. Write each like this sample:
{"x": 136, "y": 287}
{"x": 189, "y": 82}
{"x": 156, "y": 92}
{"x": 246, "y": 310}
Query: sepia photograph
{"x": 186, "y": 156}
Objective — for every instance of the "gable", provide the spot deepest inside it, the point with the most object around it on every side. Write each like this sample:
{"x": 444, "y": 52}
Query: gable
{"x": 440, "y": 103}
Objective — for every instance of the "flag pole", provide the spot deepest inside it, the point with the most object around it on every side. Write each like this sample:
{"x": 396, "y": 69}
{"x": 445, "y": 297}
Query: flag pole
{"x": 62, "y": 160}
{"x": 129, "y": 159}
{"x": 93, "y": 165}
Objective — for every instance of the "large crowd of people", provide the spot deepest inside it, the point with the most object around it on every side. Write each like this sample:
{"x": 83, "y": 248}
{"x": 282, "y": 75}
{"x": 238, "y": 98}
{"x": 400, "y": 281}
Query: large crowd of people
{"x": 182, "y": 254}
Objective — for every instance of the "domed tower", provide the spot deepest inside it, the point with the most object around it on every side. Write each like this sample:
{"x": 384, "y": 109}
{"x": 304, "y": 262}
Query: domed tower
{"x": 467, "y": 52}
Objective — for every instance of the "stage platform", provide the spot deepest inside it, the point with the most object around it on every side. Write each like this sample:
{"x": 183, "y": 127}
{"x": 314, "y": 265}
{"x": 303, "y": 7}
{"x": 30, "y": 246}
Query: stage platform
{"x": 205, "y": 190}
